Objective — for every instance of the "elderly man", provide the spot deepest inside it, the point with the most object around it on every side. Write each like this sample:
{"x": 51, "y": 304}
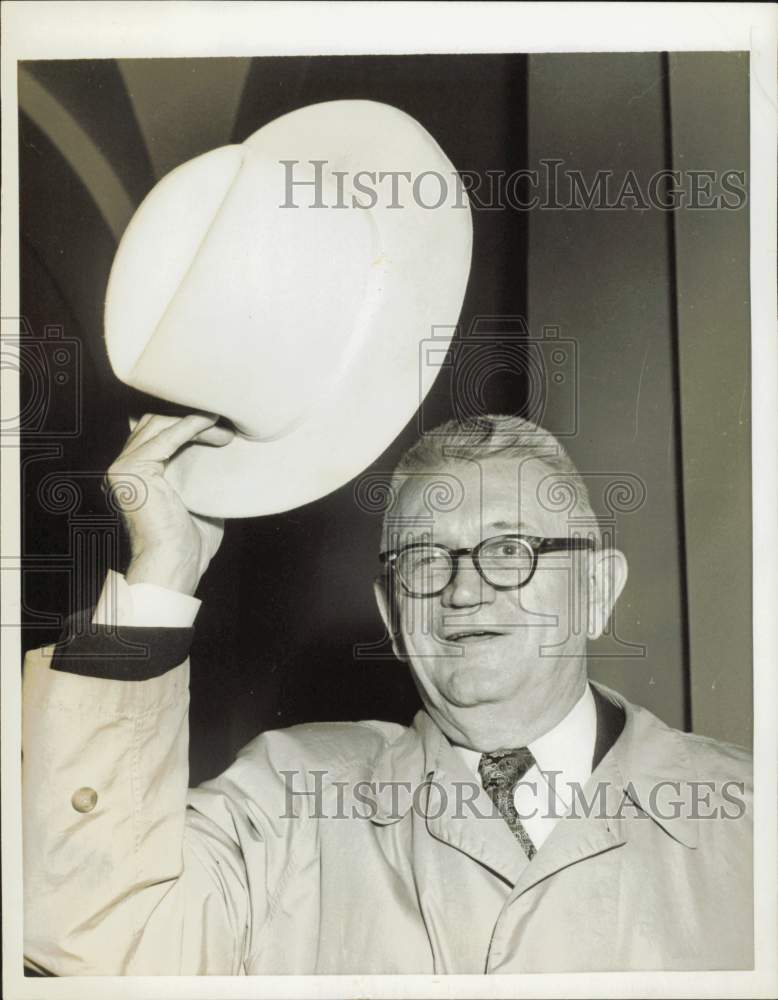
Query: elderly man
{"x": 529, "y": 820}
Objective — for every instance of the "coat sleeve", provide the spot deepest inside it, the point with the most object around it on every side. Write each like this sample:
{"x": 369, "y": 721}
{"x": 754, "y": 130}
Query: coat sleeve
{"x": 121, "y": 874}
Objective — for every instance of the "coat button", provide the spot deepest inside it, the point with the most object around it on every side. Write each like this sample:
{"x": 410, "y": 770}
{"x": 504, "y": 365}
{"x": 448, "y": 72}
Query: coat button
{"x": 84, "y": 800}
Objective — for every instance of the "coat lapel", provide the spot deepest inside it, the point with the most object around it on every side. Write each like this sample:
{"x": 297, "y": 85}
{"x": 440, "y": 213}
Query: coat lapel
{"x": 593, "y": 827}
{"x": 448, "y": 800}
{"x": 474, "y": 827}
{"x": 464, "y": 859}
{"x": 645, "y": 756}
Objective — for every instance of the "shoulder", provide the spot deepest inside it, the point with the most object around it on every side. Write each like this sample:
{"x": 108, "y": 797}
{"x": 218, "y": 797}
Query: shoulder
{"x": 715, "y": 778}
{"x": 717, "y": 760}
{"x": 710, "y": 774}
{"x": 337, "y": 748}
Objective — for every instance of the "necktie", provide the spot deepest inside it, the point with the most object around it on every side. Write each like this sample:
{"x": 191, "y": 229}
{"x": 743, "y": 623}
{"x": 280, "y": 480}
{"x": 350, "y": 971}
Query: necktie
{"x": 500, "y": 772}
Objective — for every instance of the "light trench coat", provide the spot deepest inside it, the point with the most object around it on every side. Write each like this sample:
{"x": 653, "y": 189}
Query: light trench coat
{"x": 160, "y": 879}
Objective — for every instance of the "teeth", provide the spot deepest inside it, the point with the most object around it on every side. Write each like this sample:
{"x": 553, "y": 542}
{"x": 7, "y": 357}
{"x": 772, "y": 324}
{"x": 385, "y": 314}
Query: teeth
{"x": 465, "y": 635}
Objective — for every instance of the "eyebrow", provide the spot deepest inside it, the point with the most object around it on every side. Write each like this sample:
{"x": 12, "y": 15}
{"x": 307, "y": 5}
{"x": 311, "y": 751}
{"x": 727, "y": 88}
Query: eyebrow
{"x": 516, "y": 526}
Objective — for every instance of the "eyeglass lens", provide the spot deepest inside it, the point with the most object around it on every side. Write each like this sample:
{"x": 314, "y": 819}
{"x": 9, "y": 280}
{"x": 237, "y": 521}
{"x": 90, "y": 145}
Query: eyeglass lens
{"x": 502, "y": 562}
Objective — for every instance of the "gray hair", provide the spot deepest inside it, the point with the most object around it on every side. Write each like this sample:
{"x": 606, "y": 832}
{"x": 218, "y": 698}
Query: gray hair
{"x": 494, "y": 436}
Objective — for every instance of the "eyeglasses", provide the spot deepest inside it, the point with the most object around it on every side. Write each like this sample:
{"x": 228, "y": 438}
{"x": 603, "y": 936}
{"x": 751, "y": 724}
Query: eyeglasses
{"x": 505, "y": 562}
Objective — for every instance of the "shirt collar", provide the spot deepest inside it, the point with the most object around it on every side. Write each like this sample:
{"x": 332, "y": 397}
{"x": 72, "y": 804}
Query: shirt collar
{"x": 567, "y": 749}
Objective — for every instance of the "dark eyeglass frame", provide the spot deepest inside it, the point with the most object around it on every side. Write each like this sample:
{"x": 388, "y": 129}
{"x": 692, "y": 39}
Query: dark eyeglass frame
{"x": 537, "y": 546}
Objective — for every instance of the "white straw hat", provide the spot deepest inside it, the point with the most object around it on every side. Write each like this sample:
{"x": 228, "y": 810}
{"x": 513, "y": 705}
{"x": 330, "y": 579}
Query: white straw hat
{"x": 304, "y": 326}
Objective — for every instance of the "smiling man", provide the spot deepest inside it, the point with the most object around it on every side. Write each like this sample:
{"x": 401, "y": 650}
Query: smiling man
{"x": 485, "y": 610}
{"x": 529, "y": 820}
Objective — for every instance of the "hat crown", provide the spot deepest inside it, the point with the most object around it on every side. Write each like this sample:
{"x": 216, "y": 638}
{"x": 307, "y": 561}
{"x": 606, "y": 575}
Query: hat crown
{"x": 302, "y": 320}
{"x": 272, "y": 303}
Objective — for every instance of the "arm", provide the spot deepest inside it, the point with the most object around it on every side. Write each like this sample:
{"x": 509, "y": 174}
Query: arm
{"x": 117, "y": 878}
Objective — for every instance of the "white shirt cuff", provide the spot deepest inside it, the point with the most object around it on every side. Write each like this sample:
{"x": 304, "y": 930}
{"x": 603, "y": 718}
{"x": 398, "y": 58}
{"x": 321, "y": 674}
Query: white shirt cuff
{"x": 143, "y": 605}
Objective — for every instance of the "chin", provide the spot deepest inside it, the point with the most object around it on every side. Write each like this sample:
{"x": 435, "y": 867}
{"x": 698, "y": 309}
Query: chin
{"x": 477, "y": 677}
{"x": 478, "y": 685}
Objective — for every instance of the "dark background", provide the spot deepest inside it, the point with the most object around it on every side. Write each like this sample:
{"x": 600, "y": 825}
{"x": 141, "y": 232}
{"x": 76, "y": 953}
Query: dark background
{"x": 290, "y": 596}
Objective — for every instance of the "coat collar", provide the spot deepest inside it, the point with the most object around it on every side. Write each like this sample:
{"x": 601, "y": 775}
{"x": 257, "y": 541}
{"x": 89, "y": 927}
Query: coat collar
{"x": 646, "y": 760}
{"x": 646, "y": 757}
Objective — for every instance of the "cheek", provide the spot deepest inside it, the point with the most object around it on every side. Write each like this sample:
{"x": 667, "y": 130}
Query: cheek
{"x": 550, "y": 596}
{"x": 557, "y": 610}
{"x": 417, "y": 622}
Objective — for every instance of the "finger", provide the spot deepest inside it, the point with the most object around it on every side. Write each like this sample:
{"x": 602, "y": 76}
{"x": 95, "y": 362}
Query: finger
{"x": 136, "y": 425}
{"x": 166, "y": 443}
{"x": 209, "y": 526}
{"x": 149, "y": 427}
{"x": 207, "y": 519}
{"x": 138, "y": 429}
{"x": 217, "y": 436}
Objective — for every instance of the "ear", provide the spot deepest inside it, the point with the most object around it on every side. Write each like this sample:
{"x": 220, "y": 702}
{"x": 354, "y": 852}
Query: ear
{"x": 388, "y": 615}
{"x": 607, "y": 577}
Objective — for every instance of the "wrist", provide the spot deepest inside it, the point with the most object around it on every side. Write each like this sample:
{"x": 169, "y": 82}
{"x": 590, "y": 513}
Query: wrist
{"x": 164, "y": 569}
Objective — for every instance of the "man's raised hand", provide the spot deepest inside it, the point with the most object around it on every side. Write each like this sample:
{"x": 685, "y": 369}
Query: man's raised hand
{"x": 170, "y": 546}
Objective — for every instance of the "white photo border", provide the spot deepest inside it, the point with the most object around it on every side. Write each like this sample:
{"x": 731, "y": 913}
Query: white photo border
{"x": 100, "y": 29}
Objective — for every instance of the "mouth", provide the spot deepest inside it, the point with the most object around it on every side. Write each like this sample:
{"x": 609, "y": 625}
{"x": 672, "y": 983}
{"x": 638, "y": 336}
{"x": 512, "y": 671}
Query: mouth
{"x": 466, "y": 637}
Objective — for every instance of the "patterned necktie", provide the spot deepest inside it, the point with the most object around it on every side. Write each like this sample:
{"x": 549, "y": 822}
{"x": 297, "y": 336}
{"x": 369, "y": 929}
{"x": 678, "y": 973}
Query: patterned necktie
{"x": 500, "y": 773}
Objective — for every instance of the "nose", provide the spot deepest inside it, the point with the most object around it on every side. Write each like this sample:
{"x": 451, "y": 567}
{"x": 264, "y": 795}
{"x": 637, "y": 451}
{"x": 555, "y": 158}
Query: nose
{"x": 468, "y": 588}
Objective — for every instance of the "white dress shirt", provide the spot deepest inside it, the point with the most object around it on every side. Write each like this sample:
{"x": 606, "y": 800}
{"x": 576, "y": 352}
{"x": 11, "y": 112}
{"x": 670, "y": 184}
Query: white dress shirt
{"x": 563, "y": 758}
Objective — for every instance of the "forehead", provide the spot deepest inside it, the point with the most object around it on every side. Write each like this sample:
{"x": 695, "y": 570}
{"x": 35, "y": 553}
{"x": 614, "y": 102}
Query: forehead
{"x": 508, "y": 493}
